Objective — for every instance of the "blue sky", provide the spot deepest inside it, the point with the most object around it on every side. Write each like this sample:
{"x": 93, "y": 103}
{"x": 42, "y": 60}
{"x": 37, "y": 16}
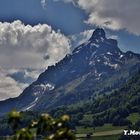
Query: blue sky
{"x": 34, "y": 36}
{"x": 64, "y": 16}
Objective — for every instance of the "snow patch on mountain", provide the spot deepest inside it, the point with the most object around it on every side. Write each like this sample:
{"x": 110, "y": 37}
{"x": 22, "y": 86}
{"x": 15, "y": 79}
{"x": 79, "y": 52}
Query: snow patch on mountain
{"x": 109, "y": 53}
{"x": 31, "y": 105}
{"x": 94, "y": 44}
{"x": 114, "y": 66}
{"x": 121, "y": 56}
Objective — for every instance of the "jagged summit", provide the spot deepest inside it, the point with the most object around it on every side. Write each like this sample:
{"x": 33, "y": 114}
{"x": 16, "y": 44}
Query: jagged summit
{"x": 98, "y": 43}
{"x": 98, "y": 34}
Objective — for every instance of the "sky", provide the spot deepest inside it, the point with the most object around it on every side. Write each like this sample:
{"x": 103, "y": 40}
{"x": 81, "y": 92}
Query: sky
{"x": 37, "y": 33}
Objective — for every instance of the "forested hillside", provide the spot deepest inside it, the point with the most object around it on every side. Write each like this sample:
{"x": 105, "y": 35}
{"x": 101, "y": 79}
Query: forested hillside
{"x": 113, "y": 108}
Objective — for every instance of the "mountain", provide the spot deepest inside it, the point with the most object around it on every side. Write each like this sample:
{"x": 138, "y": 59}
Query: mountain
{"x": 94, "y": 68}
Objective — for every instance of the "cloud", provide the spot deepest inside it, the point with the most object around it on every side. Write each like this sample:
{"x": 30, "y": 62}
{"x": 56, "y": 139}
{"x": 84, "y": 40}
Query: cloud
{"x": 9, "y": 87}
{"x": 43, "y": 3}
{"x": 114, "y": 37}
{"x": 112, "y": 14}
{"x": 27, "y": 50}
{"x": 24, "y": 75}
{"x": 25, "y": 46}
{"x": 66, "y": 1}
{"x": 14, "y": 81}
{"x": 82, "y": 37}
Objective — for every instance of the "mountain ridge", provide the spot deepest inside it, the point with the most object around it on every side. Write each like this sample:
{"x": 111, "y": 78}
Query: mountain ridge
{"x": 93, "y": 63}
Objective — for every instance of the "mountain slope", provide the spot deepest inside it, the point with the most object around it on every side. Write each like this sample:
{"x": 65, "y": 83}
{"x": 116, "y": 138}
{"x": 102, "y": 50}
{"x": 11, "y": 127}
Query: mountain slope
{"x": 114, "y": 108}
{"x": 95, "y": 67}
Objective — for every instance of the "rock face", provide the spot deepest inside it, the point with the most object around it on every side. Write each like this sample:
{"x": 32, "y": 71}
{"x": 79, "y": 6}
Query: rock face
{"x": 95, "y": 67}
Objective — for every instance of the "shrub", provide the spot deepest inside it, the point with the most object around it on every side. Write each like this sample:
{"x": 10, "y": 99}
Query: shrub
{"x": 45, "y": 127}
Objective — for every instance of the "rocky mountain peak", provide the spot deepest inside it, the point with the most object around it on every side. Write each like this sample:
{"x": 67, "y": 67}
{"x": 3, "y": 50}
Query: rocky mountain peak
{"x": 98, "y": 43}
{"x": 98, "y": 35}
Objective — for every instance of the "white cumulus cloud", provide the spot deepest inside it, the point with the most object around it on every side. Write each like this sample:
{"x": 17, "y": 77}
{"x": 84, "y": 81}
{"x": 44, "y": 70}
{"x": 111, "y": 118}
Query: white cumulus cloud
{"x": 27, "y": 47}
{"x": 112, "y": 14}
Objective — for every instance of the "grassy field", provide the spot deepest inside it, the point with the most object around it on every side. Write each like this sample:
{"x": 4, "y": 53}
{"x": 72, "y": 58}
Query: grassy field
{"x": 134, "y": 117}
{"x": 106, "y": 127}
{"x": 106, "y": 132}
{"x": 103, "y": 133}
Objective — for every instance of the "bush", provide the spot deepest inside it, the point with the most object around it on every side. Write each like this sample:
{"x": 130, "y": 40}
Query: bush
{"x": 46, "y": 127}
